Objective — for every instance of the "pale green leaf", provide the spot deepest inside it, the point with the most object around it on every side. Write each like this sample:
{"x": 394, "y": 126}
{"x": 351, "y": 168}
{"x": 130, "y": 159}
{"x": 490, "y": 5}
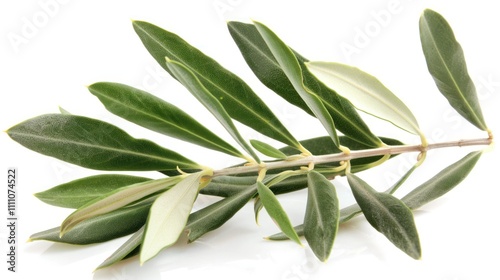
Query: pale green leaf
{"x": 158, "y": 115}
{"x": 321, "y": 220}
{"x": 366, "y": 92}
{"x": 169, "y": 214}
{"x": 387, "y": 214}
{"x": 442, "y": 182}
{"x": 267, "y": 149}
{"x": 276, "y": 211}
{"x": 288, "y": 62}
{"x": 117, "y": 199}
{"x": 78, "y": 192}
{"x": 446, "y": 63}
{"x": 193, "y": 84}
{"x": 94, "y": 144}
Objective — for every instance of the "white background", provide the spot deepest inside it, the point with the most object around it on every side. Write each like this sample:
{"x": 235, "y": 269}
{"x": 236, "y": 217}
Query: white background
{"x": 49, "y": 52}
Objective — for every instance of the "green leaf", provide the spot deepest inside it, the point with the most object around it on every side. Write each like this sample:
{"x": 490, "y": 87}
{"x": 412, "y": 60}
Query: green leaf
{"x": 125, "y": 251}
{"x": 101, "y": 228}
{"x": 443, "y": 182}
{"x": 94, "y": 144}
{"x": 267, "y": 149}
{"x": 366, "y": 92}
{"x": 446, "y": 63}
{"x": 226, "y": 186}
{"x": 169, "y": 214}
{"x": 63, "y": 111}
{"x": 241, "y": 103}
{"x": 321, "y": 220}
{"x": 265, "y": 66}
{"x": 216, "y": 214}
{"x": 116, "y": 199}
{"x": 293, "y": 71}
{"x": 388, "y": 215}
{"x": 77, "y": 193}
{"x": 193, "y": 84}
{"x": 158, "y": 115}
{"x": 276, "y": 212}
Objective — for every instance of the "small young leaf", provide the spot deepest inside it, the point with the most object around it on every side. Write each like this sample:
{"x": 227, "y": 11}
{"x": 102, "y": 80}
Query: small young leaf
{"x": 239, "y": 100}
{"x": 116, "y": 199}
{"x": 366, "y": 92}
{"x": 125, "y": 251}
{"x": 193, "y": 84}
{"x": 63, "y": 111}
{"x": 443, "y": 182}
{"x": 77, "y": 193}
{"x": 276, "y": 212}
{"x": 388, "y": 215}
{"x": 267, "y": 149}
{"x": 288, "y": 62}
{"x": 265, "y": 66}
{"x": 94, "y": 144}
{"x": 321, "y": 220}
{"x": 446, "y": 63}
{"x": 216, "y": 214}
{"x": 102, "y": 228}
{"x": 169, "y": 214}
{"x": 158, "y": 115}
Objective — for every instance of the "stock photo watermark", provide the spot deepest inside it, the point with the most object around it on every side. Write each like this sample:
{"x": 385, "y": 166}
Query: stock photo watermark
{"x": 364, "y": 34}
{"x": 222, "y": 7}
{"x": 31, "y": 26}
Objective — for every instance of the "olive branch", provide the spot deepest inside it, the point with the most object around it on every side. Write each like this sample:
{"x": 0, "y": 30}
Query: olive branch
{"x": 156, "y": 212}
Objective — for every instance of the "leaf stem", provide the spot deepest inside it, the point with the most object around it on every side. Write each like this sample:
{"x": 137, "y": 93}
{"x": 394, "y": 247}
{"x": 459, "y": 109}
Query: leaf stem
{"x": 323, "y": 159}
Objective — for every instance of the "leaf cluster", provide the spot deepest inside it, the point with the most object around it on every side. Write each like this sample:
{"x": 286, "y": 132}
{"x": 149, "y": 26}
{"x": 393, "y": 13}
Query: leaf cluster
{"x": 156, "y": 212}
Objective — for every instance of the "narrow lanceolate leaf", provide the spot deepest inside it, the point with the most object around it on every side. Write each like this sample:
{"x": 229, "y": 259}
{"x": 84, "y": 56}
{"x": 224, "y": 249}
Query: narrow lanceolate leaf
{"x": 288, "y": 62}
{"x": 116, "y": 199}
{"x": 443, "y": 182}
{"x": 158, "y": 115}
{"x": 276, "y": 211}
{"x": 366, "y": 92}
{"x": 388, "y": 215}
{"x": 267, "y": 149}
{"x": 126, "y": 250}
{"x": 169, "y": 214}
{"x": 241, "y": 103}
{"x": 321, "y": 220}
{"x": 77, "y": 193}
{"x": 446, "y": 63}
{"x": 193, "y": 84}
{"x": 102, "y": 228}
{"x": 94, "y": 144}
{"x": 265, "y": 66}
{"x": 216, "y": 214}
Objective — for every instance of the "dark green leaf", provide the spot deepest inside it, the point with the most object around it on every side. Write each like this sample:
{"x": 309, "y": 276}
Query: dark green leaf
{"x": 276, "y": 212}
{"x": 193, "y": 84}
{"x": 215, "y": 215}
{"x": 388, "y": 215}
{"x": 241, "y": 103}
{"x": 443, "y": 182}
{"x": 226, "y": 186}
{"x": 288, "y": 62}
{"x": 158, "y": 115}
{"x": 126, "y": 250}
{"x": 94, "y": 144}
{"x": 321, "y": 220}
{"x": 101, "y": 228}
{"x": 77, "y": 193}
{"x": 267, "y": 149}
{"x": 446, "y": 63}
{"x": 263, "y": 63}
